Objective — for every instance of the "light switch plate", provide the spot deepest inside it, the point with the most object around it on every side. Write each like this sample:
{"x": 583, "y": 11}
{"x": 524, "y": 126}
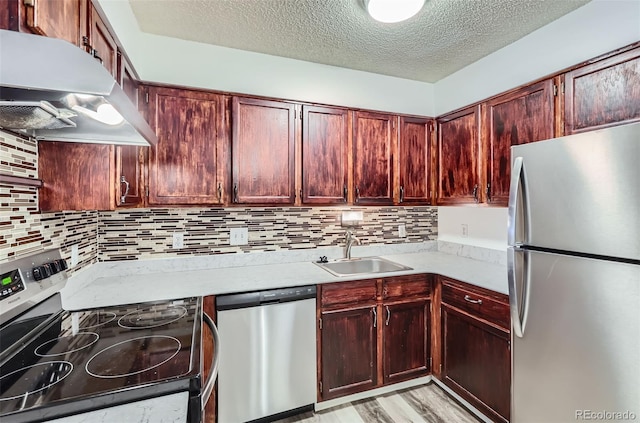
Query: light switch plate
{"x": 178, "y": 240}
{"x": 239, "y": 236}
{"x": 74, "y": 255}
{"x": 402, "y": 230}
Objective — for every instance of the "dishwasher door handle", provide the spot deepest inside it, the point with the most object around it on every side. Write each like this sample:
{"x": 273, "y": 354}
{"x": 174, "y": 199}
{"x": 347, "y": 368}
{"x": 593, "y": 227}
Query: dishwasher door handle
{"x": 213, "y": 371}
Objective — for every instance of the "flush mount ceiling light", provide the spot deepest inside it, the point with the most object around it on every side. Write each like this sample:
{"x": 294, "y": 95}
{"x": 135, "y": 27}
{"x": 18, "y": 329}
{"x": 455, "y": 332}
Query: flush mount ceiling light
{"x": 390, "y": 11}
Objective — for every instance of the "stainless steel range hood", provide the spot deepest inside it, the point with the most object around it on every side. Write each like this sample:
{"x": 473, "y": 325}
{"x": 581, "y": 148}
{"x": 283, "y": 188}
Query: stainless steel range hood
{"x": 52, "y": 90}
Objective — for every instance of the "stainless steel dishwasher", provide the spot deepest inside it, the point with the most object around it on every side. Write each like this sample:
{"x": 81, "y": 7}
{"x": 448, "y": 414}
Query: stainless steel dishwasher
{"x": 267, "y": 353}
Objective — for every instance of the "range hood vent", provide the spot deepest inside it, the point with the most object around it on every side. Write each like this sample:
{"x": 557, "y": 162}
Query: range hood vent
{"x": 52, "y": 90}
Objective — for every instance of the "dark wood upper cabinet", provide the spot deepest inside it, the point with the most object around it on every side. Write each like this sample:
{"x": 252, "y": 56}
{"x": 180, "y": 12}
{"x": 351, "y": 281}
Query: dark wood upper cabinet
{"x": 324, "y": 155}
{"x": 349, "y": 351}
{"x": 263, "y": 151}
{"x": 374, "y": 147}
{"x": 415, "y": 160}
{"x": 604, "y": 93}
{"x": 458, "y": 157}
{"x": 76, "y": 176}
{"x": 519, "y": 117}
{"x": 406, "y": 340}
{"x": 64, "y": 19}
{"x": 101, "y": 44}
{"x": 188, "y": 165}
{"x": 127, "y": 79}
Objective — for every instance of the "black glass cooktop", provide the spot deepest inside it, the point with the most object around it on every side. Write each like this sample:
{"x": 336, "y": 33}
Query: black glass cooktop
{"x": 103, "y": 356}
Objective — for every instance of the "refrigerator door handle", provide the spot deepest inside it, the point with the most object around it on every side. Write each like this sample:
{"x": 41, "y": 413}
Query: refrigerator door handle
{"x": 516, "y": 176}
{"x": 518, "y": 301}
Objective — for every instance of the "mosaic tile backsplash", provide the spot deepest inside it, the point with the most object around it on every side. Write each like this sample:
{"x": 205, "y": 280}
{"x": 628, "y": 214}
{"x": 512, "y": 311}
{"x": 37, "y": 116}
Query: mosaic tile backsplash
{"x": 136, "y": 234}
{"x": 146, "y": 233}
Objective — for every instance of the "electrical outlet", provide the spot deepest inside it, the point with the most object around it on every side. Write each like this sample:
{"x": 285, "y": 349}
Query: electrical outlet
{"x": 239, "y": 236}
{"x": 178, "y": 240}
{"x": 465, "y": 230}
{"x": 75, "y": 255}
{"x": 402, "y": 230}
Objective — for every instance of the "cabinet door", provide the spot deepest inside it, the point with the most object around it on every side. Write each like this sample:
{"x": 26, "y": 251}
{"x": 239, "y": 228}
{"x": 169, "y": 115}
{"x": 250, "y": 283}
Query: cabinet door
{"x": 348, "y": 355}
{"x": 406, "y": 340}
{"x": 64, "y": 19}
{"x": 76, "y": 176}
{"x": 126, "y": 79}
{"x": 458, "y": 161}
{"x": 604, "y": 93}
{"x": 102, "y": 45}
{"x": 373, "y": 151}
{"x": 324, "y": 155}
{"x": 187, "y": 166}
{"x": 476, "y": 362}
{"x": 128, "y": 173}
{"x": 263, "y": 149}
{"x": 522, "y": 116}
{"x": 415, "y": 160}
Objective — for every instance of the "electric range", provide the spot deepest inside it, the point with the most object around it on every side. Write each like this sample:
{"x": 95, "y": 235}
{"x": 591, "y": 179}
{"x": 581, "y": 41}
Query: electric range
{"x": 55, "y": 363}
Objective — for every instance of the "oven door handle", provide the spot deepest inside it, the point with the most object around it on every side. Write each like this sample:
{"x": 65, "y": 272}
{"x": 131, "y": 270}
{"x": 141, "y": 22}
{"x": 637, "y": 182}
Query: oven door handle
{"x": 208, "y": 386}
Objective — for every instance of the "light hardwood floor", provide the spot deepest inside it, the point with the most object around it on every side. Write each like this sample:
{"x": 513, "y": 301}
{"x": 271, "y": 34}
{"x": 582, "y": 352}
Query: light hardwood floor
{"x": 423, "y": 404}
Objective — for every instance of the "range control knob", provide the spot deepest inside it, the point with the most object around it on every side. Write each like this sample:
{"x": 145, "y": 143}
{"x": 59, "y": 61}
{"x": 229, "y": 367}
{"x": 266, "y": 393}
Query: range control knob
{"x": 62, "y": 264}
{"x": 38, "y": 273}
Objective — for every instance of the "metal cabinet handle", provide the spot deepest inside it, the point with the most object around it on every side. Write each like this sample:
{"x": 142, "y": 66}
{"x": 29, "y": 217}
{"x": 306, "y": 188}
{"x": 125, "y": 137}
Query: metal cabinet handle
{"x": 401, "y": 194}
{"x": 488, "y": 192}
{"x": 357, "y": 194}
{"x": 475, "y": 193}
{"x": 471, "y": 300}
{"x": 344, "y": 193}
{"x": 375, "y": 317}
{"x": 123, "y": 197}
{"x": 213, "y": 372}
{"x": 219, "y": 192}
{"x": 386, "y": 323}
{"x": 235, "y": 193}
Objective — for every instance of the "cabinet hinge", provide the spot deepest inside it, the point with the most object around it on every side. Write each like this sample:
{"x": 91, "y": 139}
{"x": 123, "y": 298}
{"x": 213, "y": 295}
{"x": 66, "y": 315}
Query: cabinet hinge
{"x": 555, "y": 90}
{"x": 320, "y": 386}
{"x": 440, "y": 367}
{"x": 146, "y": 189}
{"x": 30, "y": 3}
{"x": 300, "y": 114}
{"x": 562, "y": 87}
{"x": 320, "y": 320}
{"x": 146, "y": 97}
{"x": 429, "y": 367}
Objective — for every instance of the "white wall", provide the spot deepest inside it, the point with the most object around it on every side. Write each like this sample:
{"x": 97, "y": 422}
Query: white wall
{"x": 173, "y": 61}
{"x": 487, "y": 226}
{"x": 596, "y": 28}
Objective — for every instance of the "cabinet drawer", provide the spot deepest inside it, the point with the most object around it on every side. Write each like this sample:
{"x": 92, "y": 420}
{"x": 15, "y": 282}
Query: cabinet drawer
{"x": 406, "y": 286}
{"x": 493, "y": 307}
{"x": 348, "y": 292}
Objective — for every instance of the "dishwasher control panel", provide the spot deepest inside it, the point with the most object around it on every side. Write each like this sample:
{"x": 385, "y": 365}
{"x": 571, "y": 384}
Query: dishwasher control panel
{"x": 256, "y": 298}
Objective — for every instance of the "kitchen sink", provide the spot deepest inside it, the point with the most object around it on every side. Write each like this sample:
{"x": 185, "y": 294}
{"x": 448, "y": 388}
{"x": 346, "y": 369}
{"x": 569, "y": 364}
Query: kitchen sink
{"x": 361, "y": 266}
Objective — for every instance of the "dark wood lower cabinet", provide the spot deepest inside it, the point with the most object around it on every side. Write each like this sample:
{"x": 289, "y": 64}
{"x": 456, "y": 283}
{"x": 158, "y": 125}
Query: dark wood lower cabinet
{"x": 476, "y": 362}
{"x": 406, "y": 343}
{"x": 348, "y": 351}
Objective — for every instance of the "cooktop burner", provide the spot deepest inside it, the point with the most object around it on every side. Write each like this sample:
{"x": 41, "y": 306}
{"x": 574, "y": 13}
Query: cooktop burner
{"x": 152, "y": 317}
{"x": 137, "y": 359}
{"x": 66, "y": 344}
{"x": 26, "y": 382}
{"x": 87, "y": 359}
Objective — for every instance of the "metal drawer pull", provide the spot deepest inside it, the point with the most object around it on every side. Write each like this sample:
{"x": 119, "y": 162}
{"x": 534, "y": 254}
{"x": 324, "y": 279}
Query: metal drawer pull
{"x": 123, "y": 197}
{"x": 471, "y": 300}
{"x": 375, "y": 317}
{"x": 388, "y": 315}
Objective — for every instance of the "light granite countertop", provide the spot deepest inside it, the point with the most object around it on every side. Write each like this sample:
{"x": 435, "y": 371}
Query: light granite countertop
{"x": 124, "y": 282}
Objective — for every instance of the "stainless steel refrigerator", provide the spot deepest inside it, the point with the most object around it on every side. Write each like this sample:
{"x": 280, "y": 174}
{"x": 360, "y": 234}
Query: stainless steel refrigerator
{"x": 574, "y": 277}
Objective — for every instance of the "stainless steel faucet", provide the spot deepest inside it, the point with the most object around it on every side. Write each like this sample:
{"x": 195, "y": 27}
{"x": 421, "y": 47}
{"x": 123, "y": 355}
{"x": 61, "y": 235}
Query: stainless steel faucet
{"x": 351, "y": 238}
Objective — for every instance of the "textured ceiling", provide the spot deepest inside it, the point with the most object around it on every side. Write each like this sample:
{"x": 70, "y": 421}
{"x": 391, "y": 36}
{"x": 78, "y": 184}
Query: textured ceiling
{"x": 445, "y": 36}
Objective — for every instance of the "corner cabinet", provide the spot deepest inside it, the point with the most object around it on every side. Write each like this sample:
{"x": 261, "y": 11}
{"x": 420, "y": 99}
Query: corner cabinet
{"x": 476, "y": 350}
{"x": 371, "y": 333}
{"x": 458, "y": 157}
{"x": 188, "y": 164}
{"x": 414, "y": 153}
{"x": 324, "y": 155}
{"x": 374, "y": 149}
{"x": 263, "y": 146}
{"x": 518, "y": 117}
